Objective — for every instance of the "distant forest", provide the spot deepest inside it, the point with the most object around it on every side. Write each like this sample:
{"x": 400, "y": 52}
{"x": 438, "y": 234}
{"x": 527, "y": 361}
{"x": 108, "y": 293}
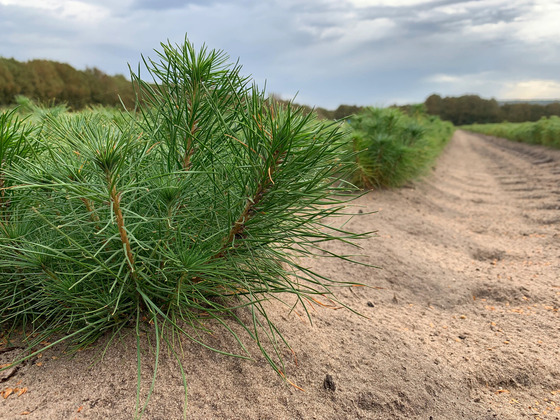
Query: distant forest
{"x": 50, "y": 82}
{"x": 467, "y": 109}
{"x": 470, "y": 109}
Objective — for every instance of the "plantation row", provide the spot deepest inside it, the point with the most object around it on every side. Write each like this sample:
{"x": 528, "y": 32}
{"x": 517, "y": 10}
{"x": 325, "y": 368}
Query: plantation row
{"x": 194, "y": 207}
{"x": 546, "y": 131}
{"x": 391, "y": 148}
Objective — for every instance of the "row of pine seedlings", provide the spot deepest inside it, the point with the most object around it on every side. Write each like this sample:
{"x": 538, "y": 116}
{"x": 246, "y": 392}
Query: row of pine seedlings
{"x": 545, "y": 131}
{"x": 185, "y": 215}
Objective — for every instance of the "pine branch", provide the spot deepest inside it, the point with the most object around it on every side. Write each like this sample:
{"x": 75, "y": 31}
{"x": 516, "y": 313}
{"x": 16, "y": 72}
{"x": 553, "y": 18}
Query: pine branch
{"x": 116, "y": 205}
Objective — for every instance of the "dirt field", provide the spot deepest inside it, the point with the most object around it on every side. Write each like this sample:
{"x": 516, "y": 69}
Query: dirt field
{"x": 462, "y": 320}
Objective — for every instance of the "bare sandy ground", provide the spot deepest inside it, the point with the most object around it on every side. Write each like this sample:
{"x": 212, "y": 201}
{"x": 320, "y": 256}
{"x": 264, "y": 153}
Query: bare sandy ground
{"x": 462, "y": 320}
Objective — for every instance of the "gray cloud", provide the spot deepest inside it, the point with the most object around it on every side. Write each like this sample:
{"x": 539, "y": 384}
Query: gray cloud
{"x": 331, "y": 51}
{"x": 176, "y": 4}
{"x": 164, "y": 4}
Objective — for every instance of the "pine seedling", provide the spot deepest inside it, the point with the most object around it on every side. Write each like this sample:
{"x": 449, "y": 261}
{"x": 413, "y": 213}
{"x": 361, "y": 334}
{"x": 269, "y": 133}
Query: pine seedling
{"x": 186, "y": 217}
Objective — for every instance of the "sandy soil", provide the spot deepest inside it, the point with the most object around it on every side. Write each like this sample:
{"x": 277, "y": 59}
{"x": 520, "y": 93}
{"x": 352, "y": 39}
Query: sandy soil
{"x": 462, "y": 320}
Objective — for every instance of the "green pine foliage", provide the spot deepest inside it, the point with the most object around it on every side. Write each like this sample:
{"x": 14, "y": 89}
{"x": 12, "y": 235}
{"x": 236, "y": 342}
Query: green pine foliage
{"x": 391, "y": 147}
{"x": 545, "y": 131}
{"x": 189, "y": 214}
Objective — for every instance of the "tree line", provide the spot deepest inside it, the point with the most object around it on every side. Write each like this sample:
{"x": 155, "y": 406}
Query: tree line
{"x": 472, "y": 109}
{"x": 462, "y": 110}
{"x": 51, "y": 82}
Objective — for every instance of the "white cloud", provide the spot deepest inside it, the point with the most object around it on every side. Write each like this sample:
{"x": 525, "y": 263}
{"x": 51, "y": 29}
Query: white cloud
{"x": 486, "y": 84}
{"x": 489, "y": 30}
{"x": 443, "y": 78}
{"x": 453, "y": 9}
{"x": 542, "y": 23}
{"x": 71, "y": 10}
{"x": 468, "y": 82}
{"x": 355, "y": 31}
{"x": 390, "y": 3}
{"x": 368, "y": 30}
{"x": 38, "y": 4}
{"x": 532, "y": 89}
{"x": 494, "y": 84}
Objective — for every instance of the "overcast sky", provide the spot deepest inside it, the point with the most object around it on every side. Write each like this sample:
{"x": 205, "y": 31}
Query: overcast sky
{"x": 329, "y": 52}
